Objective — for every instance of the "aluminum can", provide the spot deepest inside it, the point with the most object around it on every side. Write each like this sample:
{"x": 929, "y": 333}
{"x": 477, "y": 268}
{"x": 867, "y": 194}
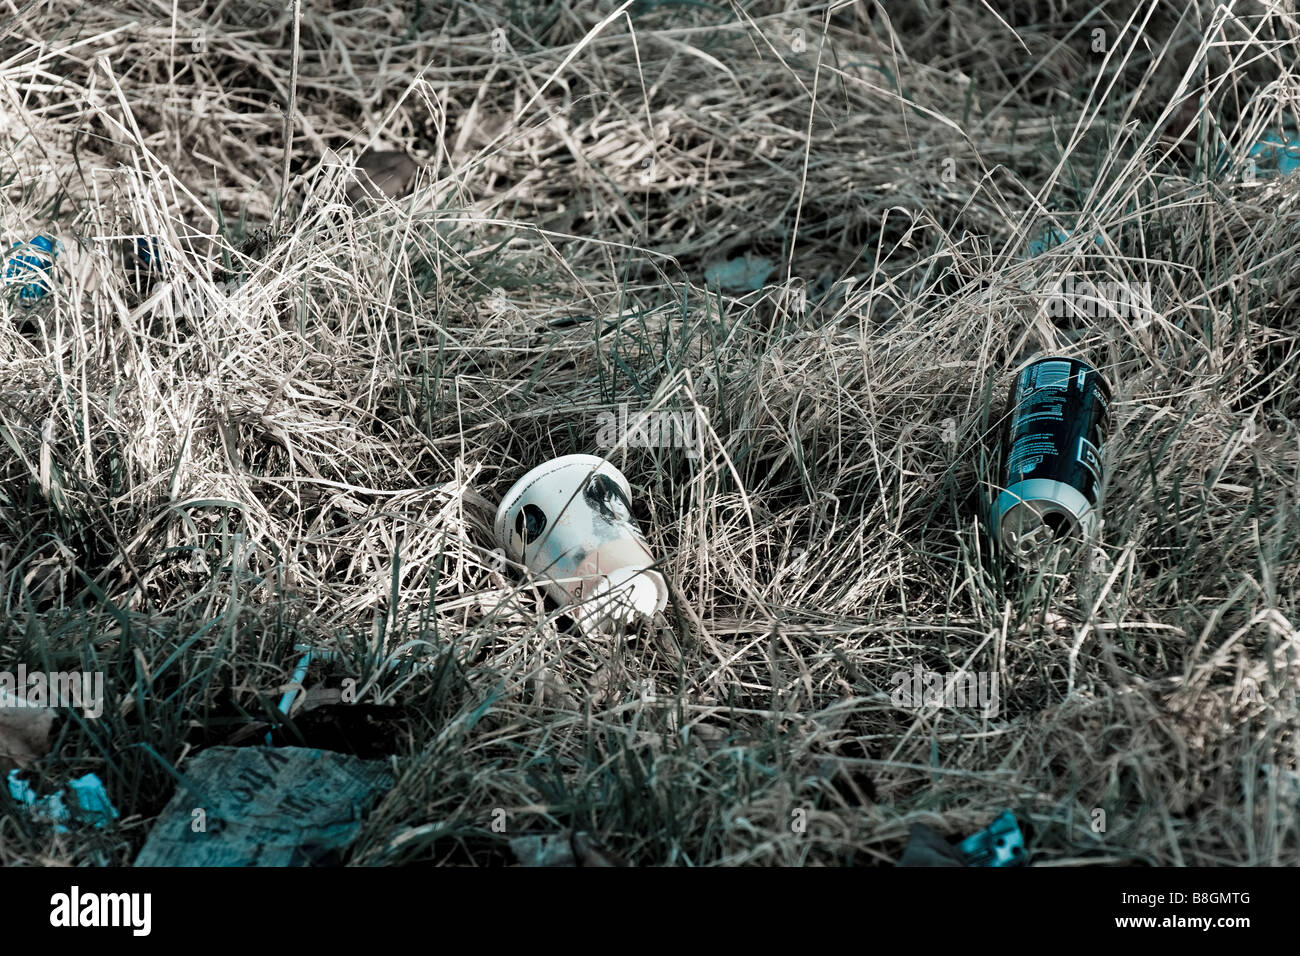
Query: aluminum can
{"x": 1058, "y": 418}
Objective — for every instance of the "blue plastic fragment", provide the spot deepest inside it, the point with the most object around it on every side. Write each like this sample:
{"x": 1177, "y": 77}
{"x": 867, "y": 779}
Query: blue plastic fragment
{"x": 1049, "y": 239}
{"x": 1271, "y": 155}
{"x": 90, "y": 802}
{"x": 1277, "y": 152}
{"x": 30, "y": 268}
{"x": 746, "y": 273}
{"x": 299, "y": 674}
{"x": 149, "y": 252}
{"x": 999, "y": 844}
{"x": 21, "y": 791}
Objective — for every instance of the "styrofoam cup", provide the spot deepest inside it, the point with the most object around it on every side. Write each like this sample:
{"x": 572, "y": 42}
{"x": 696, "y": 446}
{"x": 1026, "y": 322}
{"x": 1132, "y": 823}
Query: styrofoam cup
{"x": 569, "y": 521}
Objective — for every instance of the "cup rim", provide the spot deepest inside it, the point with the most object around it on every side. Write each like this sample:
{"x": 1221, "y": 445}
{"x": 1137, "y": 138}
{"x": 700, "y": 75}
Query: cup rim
{"x": 594, "y": 464}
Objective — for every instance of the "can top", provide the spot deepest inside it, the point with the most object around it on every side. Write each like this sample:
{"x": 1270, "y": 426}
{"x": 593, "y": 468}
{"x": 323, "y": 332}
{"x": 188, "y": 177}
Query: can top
{"x": 1058, "y": 357}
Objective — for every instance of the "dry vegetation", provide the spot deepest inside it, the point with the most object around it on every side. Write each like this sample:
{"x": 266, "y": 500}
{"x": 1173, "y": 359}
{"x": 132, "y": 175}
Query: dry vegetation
{"x": 297, "y": 435}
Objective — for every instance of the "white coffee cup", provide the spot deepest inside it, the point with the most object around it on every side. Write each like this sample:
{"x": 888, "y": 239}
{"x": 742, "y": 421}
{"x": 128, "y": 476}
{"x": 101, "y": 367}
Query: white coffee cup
{"x": 569, "y": 521}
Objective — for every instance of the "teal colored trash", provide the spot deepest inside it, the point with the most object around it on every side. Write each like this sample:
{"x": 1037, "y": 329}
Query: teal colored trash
{"x": 1274, "y": 152}
{"x": 146, "y": 258}
{"x": 92, "y": 803}
{"x": 29, "y": 268}
{"x": 999, "y": 844}
{"x": 299, "y": 675}
{"x": 88, "y": 804}
{"x": 149, "y": 252}
{"x": 747, "y": 273}
{"x": 1271, "y": 155}
{"x": 1049, "y": 240}
{"x": 265, "y": 806}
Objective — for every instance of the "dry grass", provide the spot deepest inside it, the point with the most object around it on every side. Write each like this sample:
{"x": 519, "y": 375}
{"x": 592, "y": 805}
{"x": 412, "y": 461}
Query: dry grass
{"x": 200, "y": 474}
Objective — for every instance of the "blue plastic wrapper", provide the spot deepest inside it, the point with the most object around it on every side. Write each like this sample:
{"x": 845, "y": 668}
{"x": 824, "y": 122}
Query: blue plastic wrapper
{"x": 999, "y": 844}
{"x": 148, "y": 252}
{"x": 29, "y": 268}
{"x": 89, "y": 802}
{"x": 746, "y": 273}
{"x": 1050, "y": 239}
{"x": 1270, "y": 156}
{"x": 1281, "y": 153}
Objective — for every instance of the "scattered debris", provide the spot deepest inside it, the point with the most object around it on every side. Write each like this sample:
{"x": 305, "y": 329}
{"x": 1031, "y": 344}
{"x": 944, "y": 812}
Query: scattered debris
{"x": 29, "y": 268}
{"x": 1276, "y": 153}
{"x": 1050, "y": 239}
{"x": 747, "y": 273}
{"x": 569, "y": 522}
{"x": 90, "y": 803}
{"x": 571, "y": 848}
{"x": 264, "y": 806}
{"x": 148, "y": 252}
{"x": 548, "y": 850}
{"x": 299, "y": 675}
{"x": 999, "y": 844}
